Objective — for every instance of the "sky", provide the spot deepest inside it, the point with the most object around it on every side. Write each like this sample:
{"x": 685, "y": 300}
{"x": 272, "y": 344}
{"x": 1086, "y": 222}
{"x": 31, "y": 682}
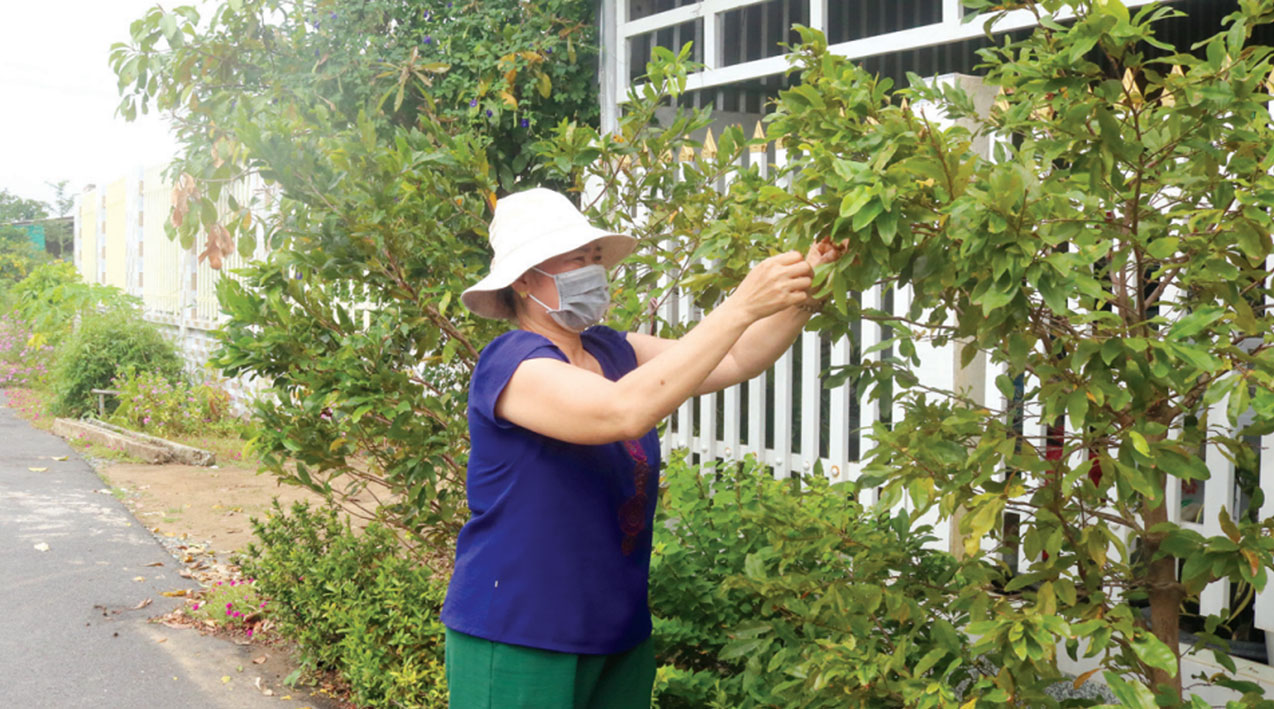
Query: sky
{"x": 58, "y": 98}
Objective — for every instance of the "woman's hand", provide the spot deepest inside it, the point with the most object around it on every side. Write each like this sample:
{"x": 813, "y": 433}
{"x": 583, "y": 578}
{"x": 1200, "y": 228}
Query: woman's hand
{"x": 823, "y": 251}
{"x": 776, "y": 283}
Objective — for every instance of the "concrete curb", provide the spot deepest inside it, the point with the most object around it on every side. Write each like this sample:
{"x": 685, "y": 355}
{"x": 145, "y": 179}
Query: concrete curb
{"x": 180, "y": 453}
{"x": 139, "y": 445}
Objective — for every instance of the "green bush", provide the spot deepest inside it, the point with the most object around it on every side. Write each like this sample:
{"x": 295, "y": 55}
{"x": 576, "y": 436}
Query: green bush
{"x": 105, "y": 345}
{"x": 53, "y": 295}
{"x": 770, "y": 593}
{"x": 353, "y": 604}
{"x": 149, "y": 401}
{"x": 232, "y": 604}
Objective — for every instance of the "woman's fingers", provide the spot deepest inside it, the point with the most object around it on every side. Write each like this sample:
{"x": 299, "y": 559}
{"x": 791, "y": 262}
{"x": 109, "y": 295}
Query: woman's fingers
{"x": 787, "y": 258}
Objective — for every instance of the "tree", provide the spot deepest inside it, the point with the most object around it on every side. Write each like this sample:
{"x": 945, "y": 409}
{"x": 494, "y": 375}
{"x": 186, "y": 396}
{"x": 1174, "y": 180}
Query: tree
{"x": 389, "y": 129}
{"x": 60, "y": 234}
{"x": 1112, "y": 263}
{"x": 279, "y": 71}
{"x": 17, "y": 209}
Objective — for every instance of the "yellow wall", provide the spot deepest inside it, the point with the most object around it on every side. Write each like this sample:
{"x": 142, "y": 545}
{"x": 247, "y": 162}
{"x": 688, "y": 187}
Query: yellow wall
{"x": 116, "y": 234}
{"x": 88, "y": 235}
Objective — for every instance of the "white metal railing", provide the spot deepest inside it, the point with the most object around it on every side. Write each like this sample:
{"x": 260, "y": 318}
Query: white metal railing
{"x": 618, "y": 31}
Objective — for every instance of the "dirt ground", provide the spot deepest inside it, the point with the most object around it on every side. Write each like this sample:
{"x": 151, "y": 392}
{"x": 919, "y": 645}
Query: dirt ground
{"x": 209, "y": 506}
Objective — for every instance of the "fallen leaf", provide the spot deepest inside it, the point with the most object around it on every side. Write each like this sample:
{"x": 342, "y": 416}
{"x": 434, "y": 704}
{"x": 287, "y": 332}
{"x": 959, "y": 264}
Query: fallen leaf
{"x": 174, "y": 594}
{"x": 259, "y": 660}
{"x": 156, "y": 563}
{"x": 139, "y": 578}
{"x": 42, "y": 547}
{"x": 225, "y": 679}
{"x": 60, "y": 457}
{"x": 38, "y": 470}
{"x": 162, "y": 640}
{"x": 142, "y": 605}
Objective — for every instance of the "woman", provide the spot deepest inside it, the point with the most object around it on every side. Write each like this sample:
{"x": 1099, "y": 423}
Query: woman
{"x": 548, "y": 603}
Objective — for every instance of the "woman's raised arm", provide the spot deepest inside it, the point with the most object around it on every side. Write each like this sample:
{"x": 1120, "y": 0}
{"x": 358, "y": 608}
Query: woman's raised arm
{"x": 569, "y": 403}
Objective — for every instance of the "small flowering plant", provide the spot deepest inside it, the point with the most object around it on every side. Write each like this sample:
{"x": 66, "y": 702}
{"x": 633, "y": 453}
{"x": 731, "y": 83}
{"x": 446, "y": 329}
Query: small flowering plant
{"x": 150, "y": 402}
{"x": 232, "y": 604}
{"x": 23, "y": 360}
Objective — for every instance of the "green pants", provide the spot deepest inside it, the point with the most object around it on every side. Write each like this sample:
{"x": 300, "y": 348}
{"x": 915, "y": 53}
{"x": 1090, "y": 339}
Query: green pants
{"x": 487, "y": 675}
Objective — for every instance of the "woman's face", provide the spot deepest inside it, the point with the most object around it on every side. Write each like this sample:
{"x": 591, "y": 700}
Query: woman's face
{"x": 542, "y": 286}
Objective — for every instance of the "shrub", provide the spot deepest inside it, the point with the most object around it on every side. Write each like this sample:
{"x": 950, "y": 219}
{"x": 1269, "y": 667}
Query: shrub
{"x": 105, "y": 345}
{"x": 53, "y": 296}
{"x": 148, "y": 401}
{"x": 22, "y": 362}
{"x": 353, "y": 604}
{"x": 235, "y": 604}
{"x": 789, "y": 593}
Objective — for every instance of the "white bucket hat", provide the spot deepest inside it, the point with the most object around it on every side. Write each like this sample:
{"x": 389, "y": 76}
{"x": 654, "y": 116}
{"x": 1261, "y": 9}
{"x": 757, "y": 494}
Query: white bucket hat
{"x": 529, "y": 228}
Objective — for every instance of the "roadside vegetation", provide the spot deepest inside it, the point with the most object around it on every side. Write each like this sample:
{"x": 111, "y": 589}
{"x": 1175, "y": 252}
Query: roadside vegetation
{"x": 1110, "y": 263}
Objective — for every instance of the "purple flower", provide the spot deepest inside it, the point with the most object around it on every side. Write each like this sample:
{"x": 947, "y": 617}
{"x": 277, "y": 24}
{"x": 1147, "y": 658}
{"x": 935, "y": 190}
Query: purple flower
{"x": 488, "y": 113}
{"x": 316, "y": 24}
{"x": 333, "y": 15}
{"x": 526, "y": 123}
{"x": 429, "y": 39}
{"x": 473, "y": 103}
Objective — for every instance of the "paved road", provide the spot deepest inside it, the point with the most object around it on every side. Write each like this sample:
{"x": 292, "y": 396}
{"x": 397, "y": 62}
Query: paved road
{"x": 68, "y": 634}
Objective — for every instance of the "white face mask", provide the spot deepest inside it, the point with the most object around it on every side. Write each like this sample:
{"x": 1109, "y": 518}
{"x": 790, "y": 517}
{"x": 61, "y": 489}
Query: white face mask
{"x": 582, "y": 297}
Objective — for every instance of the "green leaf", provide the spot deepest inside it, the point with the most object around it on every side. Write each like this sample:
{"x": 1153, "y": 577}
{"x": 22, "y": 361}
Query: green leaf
{"x": 741, "y": 648}
{"x": 928, "y": 661}
{"x": 1152, "y": 651}
{"x": 854, "y": 201}
{"x": 1114, "y": 8}
{"x": 1139, "y": 443}
{"x": 1130, "y": 694}
{"x": 1163, "y": 248}
{"x": 1077, "y": 408}
{"x": 1196, "y": 322}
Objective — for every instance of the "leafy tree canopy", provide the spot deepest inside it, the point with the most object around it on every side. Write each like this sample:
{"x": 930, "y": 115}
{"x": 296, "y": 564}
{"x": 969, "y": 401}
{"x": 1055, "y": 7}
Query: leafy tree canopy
{"x": 16, "y": 209}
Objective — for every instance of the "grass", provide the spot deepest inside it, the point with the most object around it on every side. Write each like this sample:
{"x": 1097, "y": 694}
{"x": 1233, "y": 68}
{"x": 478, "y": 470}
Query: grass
{"x": 100, "y": 451}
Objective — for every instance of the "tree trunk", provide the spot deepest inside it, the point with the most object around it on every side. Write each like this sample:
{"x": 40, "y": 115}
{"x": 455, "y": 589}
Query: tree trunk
{"x": 1165, "y": 599}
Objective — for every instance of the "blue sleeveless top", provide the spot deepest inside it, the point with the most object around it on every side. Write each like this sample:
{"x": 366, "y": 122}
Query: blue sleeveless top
{"x": 541, "y": 561}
